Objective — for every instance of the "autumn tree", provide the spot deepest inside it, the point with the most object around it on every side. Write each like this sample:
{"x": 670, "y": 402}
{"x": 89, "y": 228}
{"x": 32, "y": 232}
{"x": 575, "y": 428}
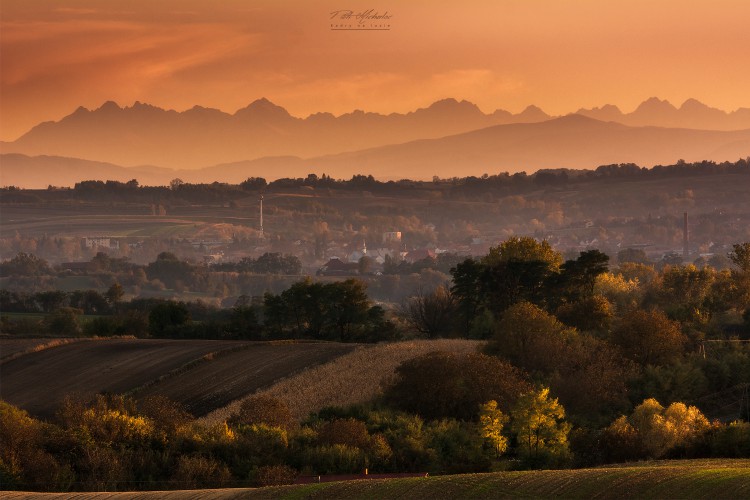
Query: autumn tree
{"x": 578, "y": 277}
{"x": 683, "y": 292}
{"x": 491, "y": 424}
{"x": 652, "y": 431}
{"x": 740, "y": 257}
{"x": 519, "y": 269}
{"x": 442, "y": 384}
{"x": 529, "y": 337}
{"x": 25, "y": 264}
{"x": 649, "y": 337}
{"x": 525, "y": 249}
{"x": 538, "y": 423}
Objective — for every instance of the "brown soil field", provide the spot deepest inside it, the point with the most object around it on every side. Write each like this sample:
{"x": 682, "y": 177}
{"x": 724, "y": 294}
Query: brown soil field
{"x": 39, "y": 381}
{"x": 11, "y": 348}
{"x": 235, "y": 373}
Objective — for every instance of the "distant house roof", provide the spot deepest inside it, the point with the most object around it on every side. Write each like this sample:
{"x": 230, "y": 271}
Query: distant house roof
{"x": 420, "y": 254}
{"x": 75, "y": 266}
{"x": 335, "y": 267}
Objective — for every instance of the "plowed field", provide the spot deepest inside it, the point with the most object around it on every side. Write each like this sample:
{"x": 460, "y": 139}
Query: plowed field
{"x": 203, "y": 374}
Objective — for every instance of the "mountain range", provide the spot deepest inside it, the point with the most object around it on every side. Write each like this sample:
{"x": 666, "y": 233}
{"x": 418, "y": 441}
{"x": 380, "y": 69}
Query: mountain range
{"x": 448, "y": 138}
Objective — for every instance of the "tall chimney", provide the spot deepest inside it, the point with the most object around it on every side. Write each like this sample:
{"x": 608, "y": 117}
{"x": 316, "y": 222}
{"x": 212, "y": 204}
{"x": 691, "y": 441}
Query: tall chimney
{"x": 261, "y": 217}
{"x": 685, "y": 238}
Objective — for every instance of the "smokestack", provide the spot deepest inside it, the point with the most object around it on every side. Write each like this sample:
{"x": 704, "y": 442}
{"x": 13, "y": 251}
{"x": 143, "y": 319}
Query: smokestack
{"x": 261, "y": 217}
{"x": 685, "y": 238}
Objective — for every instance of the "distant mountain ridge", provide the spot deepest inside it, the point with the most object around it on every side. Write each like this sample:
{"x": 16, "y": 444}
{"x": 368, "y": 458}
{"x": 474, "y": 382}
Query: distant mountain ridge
{"x": 572, "y": 141}
{"x": 661, "y": 113}
{"x": 143, "y": 134}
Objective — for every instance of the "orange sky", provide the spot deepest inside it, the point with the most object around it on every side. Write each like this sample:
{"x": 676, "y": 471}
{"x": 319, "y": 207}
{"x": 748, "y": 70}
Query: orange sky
{"x": 557, "y": 54}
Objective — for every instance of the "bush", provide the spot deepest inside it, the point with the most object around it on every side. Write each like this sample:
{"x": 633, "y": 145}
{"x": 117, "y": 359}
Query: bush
{"x": 197, "y": 472}
{"x": 263, "y": 409}
{"x": 275, "y": 475}
{"x": 731, "y": 441}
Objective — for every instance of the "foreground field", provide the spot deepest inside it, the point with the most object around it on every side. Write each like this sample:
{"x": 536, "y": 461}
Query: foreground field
{"x": 202, "y": 374}
{"x": 668, "y": 479}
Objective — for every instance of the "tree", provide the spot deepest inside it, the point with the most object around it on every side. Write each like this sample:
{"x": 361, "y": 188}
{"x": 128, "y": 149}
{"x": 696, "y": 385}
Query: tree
{"x": 539, "y": 426}
{"x": 592, "y": 314}
{"x": 649, "y": 337}
{"x": 652, "y": 431}
{"x": 25, "y": 264}
{"x": 467, "y": 291}
{"x": 64, "y": 322}
{"x": 165, "y": 318}
{"x": 491, "y": 423}
{"x": 525, "y": 249}
{"x": 634, "y": 255}
{"x": 332, "y": 311}
{"x": 446, "y": 385}
{"x": 684, "y": 292}
{"x": 170, "y": 270}
{"x": 114, "y": 294}
{"x": 530, "y": 338}
{"x": 430, "y": 314}
{"x": 740, "y": 256}
{"x": 578, "y": 276}
{"x": 51, "y": 300}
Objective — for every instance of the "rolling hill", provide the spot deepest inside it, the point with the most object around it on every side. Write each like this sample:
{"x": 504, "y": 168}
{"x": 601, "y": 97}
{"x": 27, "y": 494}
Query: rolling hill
{"x": 572, "y": 141}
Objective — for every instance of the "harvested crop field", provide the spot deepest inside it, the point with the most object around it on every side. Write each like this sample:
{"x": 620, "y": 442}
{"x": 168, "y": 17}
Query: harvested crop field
{"x": 709, "y": 479}
{"x": 204, "y": 374}
{"x": 349, "y": 379}
{"x": 12, "y": 348}
{"x": 235, "y": 373}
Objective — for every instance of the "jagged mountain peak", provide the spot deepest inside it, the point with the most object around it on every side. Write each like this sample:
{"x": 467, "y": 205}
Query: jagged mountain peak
{"x": 262, "y": 107}
{"x": 655, "y": 104}
{"x": 694, "y": 105}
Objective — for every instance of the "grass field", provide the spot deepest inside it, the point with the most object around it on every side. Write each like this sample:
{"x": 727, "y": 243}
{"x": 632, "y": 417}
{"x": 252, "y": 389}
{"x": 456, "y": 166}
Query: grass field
{"x": 710, "y": 479}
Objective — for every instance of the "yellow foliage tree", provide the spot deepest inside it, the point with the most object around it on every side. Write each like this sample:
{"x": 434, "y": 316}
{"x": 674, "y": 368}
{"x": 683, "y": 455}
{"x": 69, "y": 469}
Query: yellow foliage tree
{"x": 491, "y": 423}
{"x": 538, "y": 422}
{"x": 655, "y": 431}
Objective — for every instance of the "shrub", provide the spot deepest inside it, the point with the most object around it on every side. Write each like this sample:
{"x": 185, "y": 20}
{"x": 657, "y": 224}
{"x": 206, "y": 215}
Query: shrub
{"x": 275, "y": 475}
{"x": 263, "y": 409}
{"x": 196, "y": 472}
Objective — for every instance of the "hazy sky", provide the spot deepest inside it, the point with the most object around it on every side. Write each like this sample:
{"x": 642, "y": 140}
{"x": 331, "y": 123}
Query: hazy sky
{"x": 558, "y": 54}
